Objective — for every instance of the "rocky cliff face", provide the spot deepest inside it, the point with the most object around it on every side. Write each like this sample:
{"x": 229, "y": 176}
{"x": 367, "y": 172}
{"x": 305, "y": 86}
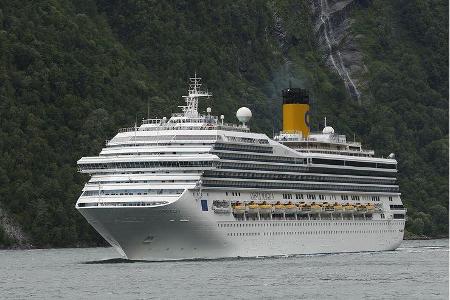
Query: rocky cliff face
{"x": 332, "y": 28}
{"x": 13, "y": 230}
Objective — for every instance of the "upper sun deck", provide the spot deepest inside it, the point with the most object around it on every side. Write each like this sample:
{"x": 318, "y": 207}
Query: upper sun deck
{"x": 181, "y": 122}
{"x": 189, "y": 119}
{"x": 191, "y": 125}
{"x": 326, "y": 142}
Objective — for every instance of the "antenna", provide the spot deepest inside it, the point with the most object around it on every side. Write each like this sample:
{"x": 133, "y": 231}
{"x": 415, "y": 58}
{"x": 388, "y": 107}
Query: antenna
{"x": 135, "y": 132}
{"x": 325, "y": 122}
{"x": 273, "y": 116}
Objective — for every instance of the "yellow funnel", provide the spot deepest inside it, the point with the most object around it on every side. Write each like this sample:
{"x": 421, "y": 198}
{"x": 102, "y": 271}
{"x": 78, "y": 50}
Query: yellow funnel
{"x": 296, "y": 111}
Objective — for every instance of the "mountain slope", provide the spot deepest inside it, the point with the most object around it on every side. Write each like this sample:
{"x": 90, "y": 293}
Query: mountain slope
{"x": 73, "y": 72}
{"x": 66, "y": 84}
{"x": 406, "y": 52}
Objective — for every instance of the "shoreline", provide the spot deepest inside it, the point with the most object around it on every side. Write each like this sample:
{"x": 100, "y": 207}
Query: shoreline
{"x": 412, "y": 236}
{"x": 424, "y": 237}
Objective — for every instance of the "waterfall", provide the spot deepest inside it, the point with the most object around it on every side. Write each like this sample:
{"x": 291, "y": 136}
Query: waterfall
{"x": 334, "y": 53}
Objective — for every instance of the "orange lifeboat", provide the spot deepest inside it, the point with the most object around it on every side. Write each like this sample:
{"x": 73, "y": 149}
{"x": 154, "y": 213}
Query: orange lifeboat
{"x": 239, "y": 209}
{"x": 328, "y": 207}
{"x": 348, "y": 208}
{"x": 361, "y": 208}
{"x": 304, "y": 208}
{"x": 338, "y": 207}
{"x": 265, "y": 208}
{"x": 279, "y": 208}
{"x": 291, "y": 208}
{"x": 316, "y": 207}
{"x": 253, "y": 208}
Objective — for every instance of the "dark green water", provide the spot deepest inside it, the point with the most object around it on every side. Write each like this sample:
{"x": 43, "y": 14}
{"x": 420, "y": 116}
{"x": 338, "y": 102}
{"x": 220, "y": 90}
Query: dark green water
{"x": 417, "y": 270}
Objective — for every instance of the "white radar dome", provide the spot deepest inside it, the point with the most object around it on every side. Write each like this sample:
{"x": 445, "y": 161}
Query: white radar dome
{"x": 328, "y": 130}
{"x": 244, "y": 114}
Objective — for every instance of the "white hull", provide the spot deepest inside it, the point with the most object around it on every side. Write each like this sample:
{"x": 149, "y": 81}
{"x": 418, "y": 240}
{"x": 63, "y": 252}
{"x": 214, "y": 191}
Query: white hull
{"x": 181, "y": 230}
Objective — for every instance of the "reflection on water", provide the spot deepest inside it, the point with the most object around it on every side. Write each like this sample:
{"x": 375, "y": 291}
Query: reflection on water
{"x": 416, "y": 270}
{"x": 114, "y": 261}
{"x": 408, "y": 249}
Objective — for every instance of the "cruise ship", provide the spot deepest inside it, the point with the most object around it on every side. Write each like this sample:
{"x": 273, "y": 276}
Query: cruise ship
{"x": 191, "y": 186}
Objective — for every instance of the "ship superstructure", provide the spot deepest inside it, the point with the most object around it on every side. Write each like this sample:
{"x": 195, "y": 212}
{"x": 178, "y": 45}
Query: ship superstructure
{"x": 192, "y": 186}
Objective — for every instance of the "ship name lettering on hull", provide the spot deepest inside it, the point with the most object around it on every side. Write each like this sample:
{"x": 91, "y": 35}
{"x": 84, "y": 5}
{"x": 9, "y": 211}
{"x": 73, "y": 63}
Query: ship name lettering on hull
{"x": 261, "y": 196}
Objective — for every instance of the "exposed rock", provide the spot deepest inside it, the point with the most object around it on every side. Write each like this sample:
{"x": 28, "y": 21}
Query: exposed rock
{"x": 280, "y": 34}
{"x": 332, "y": 28}
{"x": 13, "y": 230}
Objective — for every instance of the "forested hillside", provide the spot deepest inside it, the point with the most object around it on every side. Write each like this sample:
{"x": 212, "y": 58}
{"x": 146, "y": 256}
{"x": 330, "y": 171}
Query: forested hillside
{"x": 406, "y": 52}
{"x": 73, "y": 72}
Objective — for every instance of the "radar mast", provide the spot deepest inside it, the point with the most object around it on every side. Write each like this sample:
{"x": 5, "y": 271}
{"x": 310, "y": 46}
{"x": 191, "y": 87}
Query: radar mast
{"x": 194, "y": 92}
